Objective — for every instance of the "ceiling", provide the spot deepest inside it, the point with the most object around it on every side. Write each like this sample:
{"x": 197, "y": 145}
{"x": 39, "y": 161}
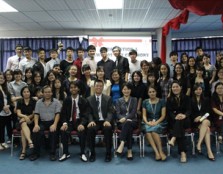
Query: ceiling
{"x": 137, "y": 15}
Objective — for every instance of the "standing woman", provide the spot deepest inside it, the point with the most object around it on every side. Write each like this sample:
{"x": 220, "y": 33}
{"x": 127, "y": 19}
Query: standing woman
{"x": 49, "y": 79}
{"x": 116, "y": 86}
{"x": 179, "y": 75}
{"x": 86, "y": 79}
{"x": 145, "y": 67}
{"x": 217, "y": 107}
{"x": 201, "y": 106}
{"x": 165, "y": 81}
{"x": 154, "y": 113}
{"x": 9, "y": 76}
{"x": 5, "y": 113}
{"x": 191, "y": 70}
{"x": 138, "y": 90}
{"x": 58, "y": 90}
{"x": 28, "y": 76}
{"x": 25, "y": 109}
{"x": 72, "y": 77}
{"x": 100, "y": 75}
{"x": 14, "y": 88}
{"x": 126, "y": 108}
{"x": 178, "y": 110}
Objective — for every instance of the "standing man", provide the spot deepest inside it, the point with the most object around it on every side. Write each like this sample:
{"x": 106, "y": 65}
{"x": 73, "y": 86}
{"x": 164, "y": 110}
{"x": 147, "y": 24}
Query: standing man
{"x": 46, "y": 117}
{"x": 40, "y": 66}
{"x": 78, "y": 61}
{"x": 13, "y": 62}
{"x": 106, "y": 63}
{"x": 173, "y": 59}
{"x": 121, "y": 63}
{"x": 134, "y": 64}
{"x": 64, "y": 64}
{"x": 54, "y": 60}
{"x": 90, "y": 59}
{"x": 74, "y": 117}
{"x": 100, "y": 118}
{"x": 28, "y": 61}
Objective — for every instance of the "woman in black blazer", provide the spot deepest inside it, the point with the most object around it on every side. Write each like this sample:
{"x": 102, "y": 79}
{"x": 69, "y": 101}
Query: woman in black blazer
{"x": 178, "y": 110}
{"x": 200, "y": 107}
{"x": 126, "y": 108}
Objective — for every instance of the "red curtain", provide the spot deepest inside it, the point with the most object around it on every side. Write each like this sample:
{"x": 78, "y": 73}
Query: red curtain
{"x": 174, "y": 24}
{"x": 199, "y": 7}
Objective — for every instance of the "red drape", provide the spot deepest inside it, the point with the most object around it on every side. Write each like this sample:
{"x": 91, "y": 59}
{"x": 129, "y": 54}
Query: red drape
{"x": 199, "y": 7}
{"x": 174, "y": 24}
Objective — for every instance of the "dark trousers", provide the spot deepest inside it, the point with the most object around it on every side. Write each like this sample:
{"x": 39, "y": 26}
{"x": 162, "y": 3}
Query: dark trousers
{"x": 126, "y": 133}
{"x": 4, "y": 120}
{"x": 178, "y": 131}
{"x": 65, "y": 136}
{"x": 107, "y": 132}
{"x": 37, "y": 137}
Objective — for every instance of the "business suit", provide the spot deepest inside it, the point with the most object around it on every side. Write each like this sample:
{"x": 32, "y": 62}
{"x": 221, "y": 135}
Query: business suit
{"x": 82, "y": 120}
{"x": 177, "y": 127}
{"x": 131, "y": 119}
{"x": 93, "y": 116}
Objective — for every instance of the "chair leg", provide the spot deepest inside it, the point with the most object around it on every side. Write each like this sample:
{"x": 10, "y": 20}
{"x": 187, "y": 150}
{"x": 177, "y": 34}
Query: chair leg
{"x": 217, "y": 143}
{"x": 140, "y": 145}
{"x": 143, "y": 145}
{"x": 193, "y": 144}
{"x": 12, "y": 145}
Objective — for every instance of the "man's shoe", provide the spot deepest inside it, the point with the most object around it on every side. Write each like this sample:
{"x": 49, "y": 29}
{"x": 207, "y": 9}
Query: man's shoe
{"x": 92, "y": 158}
{"x": 108, "y": 157}
{"x": 53, "y": 157}
{"x": 64, "y": 157}
{"x": 83, "y": 157}
{"x": 33, "y": 157}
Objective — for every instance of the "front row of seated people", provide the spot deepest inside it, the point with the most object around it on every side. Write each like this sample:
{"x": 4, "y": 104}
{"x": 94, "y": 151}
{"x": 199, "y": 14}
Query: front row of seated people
{"x": 88, "y": 116}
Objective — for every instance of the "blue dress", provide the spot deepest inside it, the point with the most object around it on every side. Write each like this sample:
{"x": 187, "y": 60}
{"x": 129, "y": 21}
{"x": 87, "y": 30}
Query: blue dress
{"x": 154, "y": 113}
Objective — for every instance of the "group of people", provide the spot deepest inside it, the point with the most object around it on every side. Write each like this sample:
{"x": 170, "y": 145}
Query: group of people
{"x": 61, "y": 96}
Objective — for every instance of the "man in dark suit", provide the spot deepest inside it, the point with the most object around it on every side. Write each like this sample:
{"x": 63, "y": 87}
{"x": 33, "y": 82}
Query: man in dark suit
{"x": 100, "y": 118}
{"x": 74, "y": 117}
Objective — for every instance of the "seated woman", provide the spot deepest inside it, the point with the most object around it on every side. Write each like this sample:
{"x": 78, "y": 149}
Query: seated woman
{"x": 126, "y": 110}
{"x": 178, "y": 110}
{"x": 200, "y": 107}
{"x": 25, "y": 109}
{"x": 154, "y": 112}
{"x": 217, "y": 107}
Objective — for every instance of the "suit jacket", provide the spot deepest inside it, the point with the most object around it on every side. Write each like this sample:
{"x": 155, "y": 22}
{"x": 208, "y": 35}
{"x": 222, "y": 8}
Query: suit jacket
{"x": 205, "y": 108}
{"x": 67, "y": 108}
{"x": 106, "y": 108}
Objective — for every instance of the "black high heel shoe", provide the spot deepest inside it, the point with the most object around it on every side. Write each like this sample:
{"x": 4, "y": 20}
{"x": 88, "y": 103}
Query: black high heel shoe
{"x": 199, "y": 151}
{"x": 211, "y": 159}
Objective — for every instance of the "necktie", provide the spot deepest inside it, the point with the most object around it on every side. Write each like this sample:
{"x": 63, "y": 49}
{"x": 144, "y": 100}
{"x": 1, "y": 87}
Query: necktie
{"x": 19, "y": 59}
{"x": 74, "y": 112}
{"x": 98, "y": 104}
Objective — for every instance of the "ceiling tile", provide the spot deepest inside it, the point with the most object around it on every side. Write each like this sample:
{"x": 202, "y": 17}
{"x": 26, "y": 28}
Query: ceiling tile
{"x": 11, "y": 26}
{"x": 83, "y": 4}
{"x": 53, "y": 4}
{"x": 39, "y": 16}
{"x": 110, "y": 15}
{"x": 4, "y": 20}
{"x": 137, "y": 4}
{"x": 24, "y": 5}
{"x": 51, "y": 25}
{"x": 86, "y": 15}
{"x": 30, "y": 25}
{"x": 16, "y": 17}
{"x": 62, "y": 15}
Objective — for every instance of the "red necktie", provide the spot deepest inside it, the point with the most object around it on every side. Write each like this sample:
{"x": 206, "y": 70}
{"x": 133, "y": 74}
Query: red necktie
{"x": 74, "y": 112}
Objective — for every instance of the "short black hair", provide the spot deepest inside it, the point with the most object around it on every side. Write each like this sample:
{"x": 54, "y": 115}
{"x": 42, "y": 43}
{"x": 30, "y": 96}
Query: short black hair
{"x": 173, "y": 53}
{"x": 27, "y": 49}
{"x": 91, "y": 47}
{"x": 198, "y": 48}
{"x": 53, "y": 50}
{"x": 69, "y": 48}
{"x": 117, "y": 47}
{"x": 40, "y": 49}
{"x": 85, "y": 67}
{"x": 103, "y": 49}
{"x": 17, "y": 71}
{"x": 98, "y": 81}
{"x": 18, "y": 45}
{"x": 132, "y": 51}
{"x": 25, "y": 87}
{"x": 45, "y": 87}
{"x": 79, "y": 49}
{"x": 128, "y": 85}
